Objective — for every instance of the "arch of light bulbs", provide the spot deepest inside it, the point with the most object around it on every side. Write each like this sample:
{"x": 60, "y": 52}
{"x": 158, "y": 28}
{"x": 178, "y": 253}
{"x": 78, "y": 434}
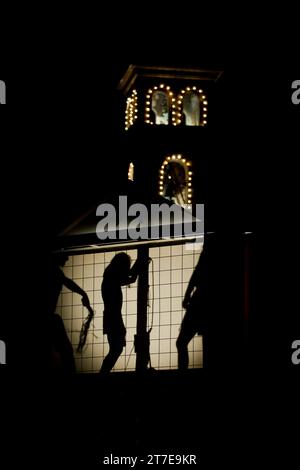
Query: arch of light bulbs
{"x": 171, "y": 99}
{"x": 188, "y": 171}
{"x": 202, "y": 99}
{"x": 131, "y": 112}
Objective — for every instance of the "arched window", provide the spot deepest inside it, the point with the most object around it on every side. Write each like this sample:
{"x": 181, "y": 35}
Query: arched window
{"x": 158, "y": 105}
{"x": 175, "y": 180}
{"x": 192, "y": 107}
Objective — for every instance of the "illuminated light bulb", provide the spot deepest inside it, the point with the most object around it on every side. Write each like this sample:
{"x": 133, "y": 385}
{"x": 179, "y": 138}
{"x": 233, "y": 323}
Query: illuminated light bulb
{"x": 168, "y": 158}
{"x": 183, "y": 91}
{"x": 203, "y": 97}
{"x": 189, "y": 190}
{"x": 161, "y": 193}
{"x": 155, "y": 88}
{"x": 165, "y": 162}
{"x": 204, "y": 122}
{"x": 200, "y": 91}
{"x": 178, "y": 121}
{"x": 173, "y": 105}
{"x": 147, "y": 121}
{"x": 173, "y": 157}
{"x": 167, "y": 88}
{"x": 190, "y": 172}
{"x": 147, "y": 103}
{"x": 179, "y": 157}
{"x": 194, "y": 88}
{"x": 150, "y": 91}
{"x": 204, "y": 102}
{"x": 161, "y": 85}
{"x": 189, "y": 184}
{"x": 188, "y": 88}
{"x": 188, "y": 164}
{"x": 184, "y": 160}
{"x": 204, "y": 115}
{"x": 148, "y": 109}
{"x": 173, "y": 119}
{"x": 173, "y": 99}
{"x": 179, "y": 102}
{"x": 162, "y": 172}
{"x": 170, "y": 94}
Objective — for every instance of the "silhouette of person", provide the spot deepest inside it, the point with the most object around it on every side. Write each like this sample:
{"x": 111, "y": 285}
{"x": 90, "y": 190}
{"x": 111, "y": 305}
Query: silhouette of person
{"x": 116, "y": 275}
{"x": 62, "y": 358}
{"x": 196, "y": 304}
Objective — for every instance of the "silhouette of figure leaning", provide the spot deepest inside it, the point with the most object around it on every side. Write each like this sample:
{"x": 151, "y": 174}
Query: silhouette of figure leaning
{"x": 196, "y": 304}
{"x": 116, "y": 275}
{"x": 62, "y": 358}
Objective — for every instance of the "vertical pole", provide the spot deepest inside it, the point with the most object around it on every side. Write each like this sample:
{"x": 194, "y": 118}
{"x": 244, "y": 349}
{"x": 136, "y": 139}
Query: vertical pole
{"x": 142, "y": 337}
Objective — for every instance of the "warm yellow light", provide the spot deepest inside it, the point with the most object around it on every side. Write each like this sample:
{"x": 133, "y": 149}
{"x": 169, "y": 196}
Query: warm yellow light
{"x": 173, "y": 105}
{"x": 190, "y": 173}
{"x": 170, "y": 94}
{"x": 148, "y": 109}
{"x": 188, "y": 88}
{"x": 204, "y": 109}
{"x": 147, "y": 103}
{"x": 167, "y": 88}
{"x": 183, "y": 91}
{"x": 194, "y": 88}
{"x": 168, "y": 158}
{"x": 161, "y": 85}
{"x": 204, "y": 102}
{"x": 189, "y": 184}
{"x": 155, "y": 88}
{"x": 173, "y": 99}
{"x": 179, "y": 157}
{"x": 189, "y": 190}
{"x": 178, "y": 121}
{"x": 161, "y": 193}
{"x": 147, "y": 121}
{"x": 203, "y": 97}
{"x": 179, "y": 102}
{"x": 200, "y": 91}
{"x": 184, "y": 160}
{"x": 150, "y": 91}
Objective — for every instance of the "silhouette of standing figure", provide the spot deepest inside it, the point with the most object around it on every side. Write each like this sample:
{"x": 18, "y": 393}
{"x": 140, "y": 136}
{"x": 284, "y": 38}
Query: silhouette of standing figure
{"x": 196, "y": 304}
{"x": 116, "y": 275}
{"x": 62, "y": 358}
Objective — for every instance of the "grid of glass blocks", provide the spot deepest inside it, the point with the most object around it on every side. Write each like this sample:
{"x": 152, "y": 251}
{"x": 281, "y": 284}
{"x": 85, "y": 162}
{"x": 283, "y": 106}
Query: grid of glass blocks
{"x": 169, "y": 274}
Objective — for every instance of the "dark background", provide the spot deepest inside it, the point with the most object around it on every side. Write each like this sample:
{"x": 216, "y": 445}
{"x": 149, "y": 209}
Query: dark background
{"x": 61, "y": 121}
